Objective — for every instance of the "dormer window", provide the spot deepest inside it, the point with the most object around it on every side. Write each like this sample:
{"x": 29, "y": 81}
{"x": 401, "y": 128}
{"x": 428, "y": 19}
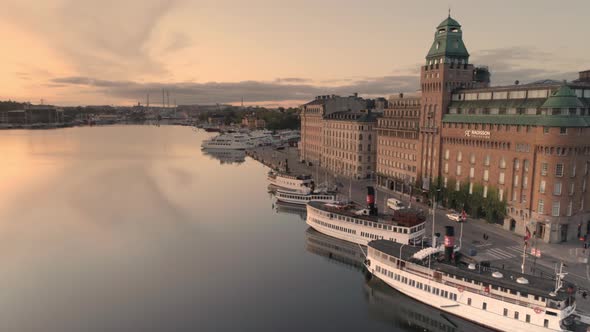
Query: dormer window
{"x": 437, "y": 45}
{"x": 455, "y": 30}
{"x": 441, "y": 31}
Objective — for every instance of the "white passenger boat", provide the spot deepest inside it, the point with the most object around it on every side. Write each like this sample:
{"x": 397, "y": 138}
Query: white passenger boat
{"x": 497, "y": 299}
{"x": 352, "y": 223}
{"x": 231, "y": 141}
{"x": 299, "y": 183}
{"x": 297, "y": 197}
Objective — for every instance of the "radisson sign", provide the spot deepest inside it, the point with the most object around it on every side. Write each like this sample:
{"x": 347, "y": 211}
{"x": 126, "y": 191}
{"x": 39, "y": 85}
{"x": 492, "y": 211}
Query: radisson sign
{"x": 477, "y": 133}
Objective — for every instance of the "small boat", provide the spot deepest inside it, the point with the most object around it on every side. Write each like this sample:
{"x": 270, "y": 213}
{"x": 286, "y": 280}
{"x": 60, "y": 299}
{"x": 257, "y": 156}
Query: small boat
{"x": 228, "y": 142}
{"x": 301, "y": 183}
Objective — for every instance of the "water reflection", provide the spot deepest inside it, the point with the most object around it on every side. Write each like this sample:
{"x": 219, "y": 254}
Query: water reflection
{"x": 286, "y": 208}
{"x": 226, "y": 156}
{"x": 385, "y": 303}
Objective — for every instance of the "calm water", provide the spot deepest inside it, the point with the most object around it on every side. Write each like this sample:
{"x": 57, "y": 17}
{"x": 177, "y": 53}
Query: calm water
{"x": 129, "y": 228}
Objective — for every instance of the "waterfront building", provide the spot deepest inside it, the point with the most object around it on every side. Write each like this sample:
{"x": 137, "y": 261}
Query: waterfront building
{"x": 526, "y": 143}
{"x": 349, "y": 143}
{"x": 32, "y": 114}
{"x": 253, "y": 122}
{"x": 397, "y": 143}
{"x": 312, "y": 116}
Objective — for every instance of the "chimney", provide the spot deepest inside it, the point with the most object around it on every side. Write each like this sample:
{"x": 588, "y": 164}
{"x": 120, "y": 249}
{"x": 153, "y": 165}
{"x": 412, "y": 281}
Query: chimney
{"x": 371, "y": 201}
{"x": 356, "y": 94}
{"x": 401, "y": 95}
{"x": 449, "y": 243}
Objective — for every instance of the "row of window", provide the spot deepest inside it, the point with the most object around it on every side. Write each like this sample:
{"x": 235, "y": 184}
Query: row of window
{"x": 335, "y": 227}
{"x": 413, "y": 283}
{"x": 397, "y": 144}
{"x": 378, "y": 225}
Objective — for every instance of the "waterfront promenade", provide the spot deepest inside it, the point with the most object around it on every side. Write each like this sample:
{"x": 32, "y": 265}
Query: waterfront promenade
{"x": 502, "y": 247}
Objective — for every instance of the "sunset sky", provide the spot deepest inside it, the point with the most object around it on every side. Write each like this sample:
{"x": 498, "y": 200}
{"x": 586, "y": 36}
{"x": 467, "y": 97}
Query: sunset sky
{"x": 270, "y": 52}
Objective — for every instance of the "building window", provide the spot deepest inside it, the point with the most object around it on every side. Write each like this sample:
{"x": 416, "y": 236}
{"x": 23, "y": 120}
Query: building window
{"x": 445, "y": 180}
{"x": 555, "y": 209}
{"x": 502, "y": 163}
{"x": 569, "y": 208}
{"x": 515, "y": 180}
{"x": 486, "y": 175}
{"x": 545, "y": 130}
{"x": 446, "y": 167}
{"x": 470, "y": 188}
{"x": 562, "y": 131}
{"x": 472, "y": 172}
{"x": 557, "y": 188}
{"x": 486, "y": 161}
{"x": 542, "y": 186}
{"x": 525, "y": 182}
{"x": 472, "y": 158}
{"x": 572, "y": 184}
{"x": 541, "y": 206}
{"x": 525, "y": 164}
{"x": 559, "y": 170}
{"x": 501, "y": 194}
{"x": 501, "y": 178}
{"x": 447, "y": 153}
{"x": 458, "y": 170}
{"x": 485, "y": 191}
{"x": 544, "y": 168}
{"x": 459, "y": 156}
{"x": 457, "y": 185}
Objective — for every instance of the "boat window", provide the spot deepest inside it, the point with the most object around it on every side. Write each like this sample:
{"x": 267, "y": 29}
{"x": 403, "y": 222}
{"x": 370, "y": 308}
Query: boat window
{"x": 505, "y": 312}
{"x": 528, "y": 318}
{"x": 469, "y": 301}
{"x": 550, "y": 313}
{"x": 484, "y": 306}
{"x": 516, "y": 315}
{"x": 546, "y": 323}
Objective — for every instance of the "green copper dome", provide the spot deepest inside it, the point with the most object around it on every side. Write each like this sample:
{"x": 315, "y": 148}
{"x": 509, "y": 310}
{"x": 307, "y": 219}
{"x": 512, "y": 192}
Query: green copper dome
{"x": 449, "y": 22}
{"x": 448, "y": 41}
{"x": 563, "y": 98}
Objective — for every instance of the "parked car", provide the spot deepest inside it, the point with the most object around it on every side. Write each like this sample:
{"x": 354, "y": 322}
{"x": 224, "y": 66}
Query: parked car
{"x": 454, "y": 216}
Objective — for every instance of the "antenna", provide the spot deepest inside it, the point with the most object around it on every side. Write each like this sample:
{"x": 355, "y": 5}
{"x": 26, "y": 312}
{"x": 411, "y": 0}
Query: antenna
{"x": 148, "y": 101}
{"x": 449, "y": 11}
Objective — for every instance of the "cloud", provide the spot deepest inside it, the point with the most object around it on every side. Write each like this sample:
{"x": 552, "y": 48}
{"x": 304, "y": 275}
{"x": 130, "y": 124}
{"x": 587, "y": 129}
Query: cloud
{"x": 232, "y": 92}
{"x": 525, "y": 64}
{"x": 292, "y": 80}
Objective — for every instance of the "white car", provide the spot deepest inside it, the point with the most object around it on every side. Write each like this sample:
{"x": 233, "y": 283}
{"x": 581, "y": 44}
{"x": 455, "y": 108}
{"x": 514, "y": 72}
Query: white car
{"x": 454, "y": 216}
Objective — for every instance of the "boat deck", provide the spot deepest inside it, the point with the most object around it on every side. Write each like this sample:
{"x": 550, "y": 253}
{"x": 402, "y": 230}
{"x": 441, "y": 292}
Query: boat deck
{"x": 482, "y": 276}
{"x": 383, "y": 218}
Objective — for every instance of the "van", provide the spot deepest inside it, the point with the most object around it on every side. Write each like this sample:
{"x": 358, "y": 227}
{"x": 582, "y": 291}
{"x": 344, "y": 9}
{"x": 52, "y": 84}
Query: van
{"x": 395, "y": 204}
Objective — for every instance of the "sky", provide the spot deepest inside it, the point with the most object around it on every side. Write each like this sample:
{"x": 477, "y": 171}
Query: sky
{"x": 269, "y": 52}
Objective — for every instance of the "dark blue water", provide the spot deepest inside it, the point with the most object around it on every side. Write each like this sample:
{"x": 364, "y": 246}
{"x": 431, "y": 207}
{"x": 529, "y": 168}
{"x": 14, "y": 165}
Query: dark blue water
{"x": 133, "y": 228}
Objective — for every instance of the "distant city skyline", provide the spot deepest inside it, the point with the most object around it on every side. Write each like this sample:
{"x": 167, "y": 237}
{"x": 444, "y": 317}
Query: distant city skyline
{"x": 272, "y": 53}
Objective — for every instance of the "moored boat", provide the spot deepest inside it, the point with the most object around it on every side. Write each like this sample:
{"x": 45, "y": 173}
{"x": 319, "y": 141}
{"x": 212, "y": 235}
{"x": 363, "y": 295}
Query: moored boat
{"x": 350, "y": 222}
{"x": 297, "y": 197}
{"x": 497, "y": 299}
{"x": 299, "y": 183}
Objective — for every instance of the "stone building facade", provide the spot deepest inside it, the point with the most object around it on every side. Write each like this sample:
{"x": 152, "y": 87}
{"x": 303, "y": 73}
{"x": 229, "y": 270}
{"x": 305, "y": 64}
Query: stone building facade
{"x": 398, "y": 143}
{"x": 312, "y": 116}
{"x": 349, "y": 143}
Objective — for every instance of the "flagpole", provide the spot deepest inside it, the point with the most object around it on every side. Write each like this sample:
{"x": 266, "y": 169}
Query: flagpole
{"x": 523, "y": 257}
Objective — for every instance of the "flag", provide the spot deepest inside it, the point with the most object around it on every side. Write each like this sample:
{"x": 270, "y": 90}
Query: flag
{"x": 527, "y": 236}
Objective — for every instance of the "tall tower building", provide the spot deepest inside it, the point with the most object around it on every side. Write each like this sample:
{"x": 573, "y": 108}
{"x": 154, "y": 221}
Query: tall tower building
{"x": 447, "y": 67}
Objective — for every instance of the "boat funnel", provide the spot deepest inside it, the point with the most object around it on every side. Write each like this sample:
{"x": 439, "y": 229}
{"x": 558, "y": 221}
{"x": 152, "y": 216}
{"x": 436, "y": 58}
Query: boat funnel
{"x": 371, "y": 201}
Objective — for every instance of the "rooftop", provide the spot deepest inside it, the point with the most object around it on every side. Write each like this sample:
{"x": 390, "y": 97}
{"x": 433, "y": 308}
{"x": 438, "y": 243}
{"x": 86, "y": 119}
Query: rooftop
{"x": 352, "y": 116}
{"x": 384, "y": 218}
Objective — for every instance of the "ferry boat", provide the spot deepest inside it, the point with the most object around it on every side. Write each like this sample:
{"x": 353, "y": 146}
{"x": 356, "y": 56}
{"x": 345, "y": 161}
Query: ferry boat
{"x": 297, "y": 197}
{"x": 299, "y": 183}
{"x": 497, "y": 299}
{"x": 350, "y": 222}
{"x": 233, "y": 141}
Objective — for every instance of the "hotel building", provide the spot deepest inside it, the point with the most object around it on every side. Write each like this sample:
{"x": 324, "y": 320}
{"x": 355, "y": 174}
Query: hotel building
{"x": 527, "y": 142}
